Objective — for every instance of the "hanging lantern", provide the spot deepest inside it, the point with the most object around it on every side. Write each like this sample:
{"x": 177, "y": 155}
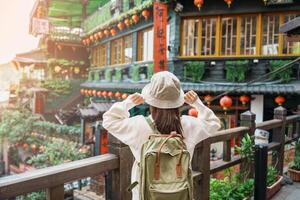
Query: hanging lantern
{"x": 90, "y": 92}
{"x": 82, "y": 91}
{"x": 146, "y": 14}
{"x": 198, "y": 3}
{"x": 244, "y": 99}
{"x": 57, "y": 69}
{"x": 110, "y": 94}
{"x": 208, "y": 99}
{"x": 88, "y": 41}
{"x": 25, "y": 146}
{"x": 86, "y": 92}
{"x": 279, "y": 100}
{"x": 106, "y": 32}
{"x": 99, "y": 93}
{"x": 83, "y": 42}
{"x": 33, "y": 147}
{"x": 92, "y": 38}
{"x": 94, "y": 92}
{"x": 265, "y": 2}
{"x": 59, "y": 47}
{"x": 121, "y": 26}
{"x": 118, "y": 95}
{"x": 76, "y": 70}
{"x": 113, "y": 32}
{"x": 100, "y": 34}
{"x": 124, "y": 96}
{"x": 135, "y": 18}
{"x": 104, "y": 93}
{"x": 226, "y": 102}
{"x": 229, "y": 2}
{"x": 193, "y": 112}
{"x": 127, "y": 22}
{"x": 96, "y": 36}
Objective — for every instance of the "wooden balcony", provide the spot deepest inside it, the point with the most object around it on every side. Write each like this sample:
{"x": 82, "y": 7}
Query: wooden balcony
{"x": 117, "y": 164}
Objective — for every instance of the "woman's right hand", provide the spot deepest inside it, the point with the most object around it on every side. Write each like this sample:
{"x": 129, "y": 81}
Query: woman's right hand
{"x": 190, "y": 97}
{"x": 137, "y": 98}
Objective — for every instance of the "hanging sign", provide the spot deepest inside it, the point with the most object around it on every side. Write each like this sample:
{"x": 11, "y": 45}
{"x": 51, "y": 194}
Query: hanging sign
{"x": 40, "y": 26}
{"x": 160, "y": 11}
{"x": 275, "y": 2}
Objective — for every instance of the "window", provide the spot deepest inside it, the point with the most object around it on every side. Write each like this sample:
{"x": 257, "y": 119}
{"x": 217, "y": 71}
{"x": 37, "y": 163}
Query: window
{"x": 248, "y": 35}
{"x": 190, "y": 37}
{"x": 116, "y": 51}
{"x": 270, "y": 43}
{"x": 128, "y": 49}
{"x": 145, "y": 45}
{"x": 229, "y": 26}
{"x": 103, "y": 54}
{"x": 208, "y": 41}
{"x": 290, "y": 47}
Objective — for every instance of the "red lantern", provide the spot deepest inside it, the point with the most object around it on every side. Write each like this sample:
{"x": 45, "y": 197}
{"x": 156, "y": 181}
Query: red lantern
{"x": 118, "y": 95}
{"x": 86, "y": 92}
{"x": 113, "y": 32}
{"x": 199, "y": 3}
{"x": 110, "y": 94}
{"x": 88, "y": 41}
{"x": 83, "y": 42}
{"x": 208, "y": 99}
{"x": 96, "y": 36}
{"x": 229, "y": 2}
{"x": 99, "y": 93}
{"x": 146, "y": 14}
{"x": 127, "y": 22}
{"x": 104, "y": 93}
{"x": 94, "y": 92}
{"x": 100, "y": 34}
{"x": 25, "y": 146}
{"x": 33, "y": 147}
{"x": 91, "y": 38}
{"x": 279, "y": 100}
{"x": 193, "y": 112}
{"x": 124, "y": 96}
{"x": 244, "y": 99}
{"x": 90, "y": 92}
{"x": 82, "y": 91}
{"x": 226, "y": 102}
{"x": 106, "y": 32}
{"x": 135, "y": 18}
{"x": 121, "y": 26}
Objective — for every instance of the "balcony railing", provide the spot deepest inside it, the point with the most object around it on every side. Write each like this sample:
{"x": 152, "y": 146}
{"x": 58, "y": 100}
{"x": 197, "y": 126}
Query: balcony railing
{"x": 119, "y": 161}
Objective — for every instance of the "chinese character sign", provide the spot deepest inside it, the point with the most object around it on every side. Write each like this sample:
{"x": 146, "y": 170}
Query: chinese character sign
{"x": 40, "y": 26}
{"x": 160, "y": 11}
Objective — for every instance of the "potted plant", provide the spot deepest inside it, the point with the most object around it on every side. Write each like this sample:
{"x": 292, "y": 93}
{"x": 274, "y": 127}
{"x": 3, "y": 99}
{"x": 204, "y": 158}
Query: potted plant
{"x": 294, "y": 167}
{"x": 273, "y": 182}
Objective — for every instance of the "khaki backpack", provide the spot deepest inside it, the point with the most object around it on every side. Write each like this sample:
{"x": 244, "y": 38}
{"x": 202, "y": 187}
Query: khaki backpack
{"x": 165, "y": 168}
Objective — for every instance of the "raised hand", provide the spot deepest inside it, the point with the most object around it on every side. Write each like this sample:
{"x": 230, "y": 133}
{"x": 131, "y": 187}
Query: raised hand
{"x": 190, "y": 97}
{"x": 137, "y": 98}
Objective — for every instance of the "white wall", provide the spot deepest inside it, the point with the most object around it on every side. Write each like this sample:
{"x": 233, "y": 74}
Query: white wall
{"x": 257, "y": 107}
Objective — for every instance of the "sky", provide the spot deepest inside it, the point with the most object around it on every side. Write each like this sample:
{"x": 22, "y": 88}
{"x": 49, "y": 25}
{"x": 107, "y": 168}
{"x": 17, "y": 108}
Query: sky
{"x": 14, "y": 28}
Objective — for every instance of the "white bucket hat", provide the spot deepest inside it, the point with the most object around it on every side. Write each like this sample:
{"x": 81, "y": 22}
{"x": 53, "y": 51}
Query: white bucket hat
{"x": 164, "y": 91}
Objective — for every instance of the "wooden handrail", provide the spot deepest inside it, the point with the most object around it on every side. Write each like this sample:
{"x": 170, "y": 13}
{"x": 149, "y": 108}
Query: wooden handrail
{"x": 270, "y": 124}
{"x": 50, "y": 177}
{"x": 228, "y": 134}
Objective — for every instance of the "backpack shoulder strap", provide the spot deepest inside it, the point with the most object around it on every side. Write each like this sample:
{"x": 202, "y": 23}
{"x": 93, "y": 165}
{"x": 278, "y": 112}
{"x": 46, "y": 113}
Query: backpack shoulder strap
{"x": 152, "y": 125}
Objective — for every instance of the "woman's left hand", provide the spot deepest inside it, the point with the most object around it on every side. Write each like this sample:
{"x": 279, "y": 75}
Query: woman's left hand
{"x": 137, "y": 98}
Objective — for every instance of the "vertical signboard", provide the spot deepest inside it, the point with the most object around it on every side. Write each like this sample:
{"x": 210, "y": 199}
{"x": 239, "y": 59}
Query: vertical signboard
{"x": 160, "y": 14}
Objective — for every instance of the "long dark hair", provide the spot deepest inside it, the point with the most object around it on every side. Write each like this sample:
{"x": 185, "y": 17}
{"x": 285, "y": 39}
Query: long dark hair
{"x": 166, "y": 120}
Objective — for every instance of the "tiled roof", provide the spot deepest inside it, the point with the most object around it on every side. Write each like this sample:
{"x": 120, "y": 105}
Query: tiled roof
{"x": 94, "y": 110}
{"x": 257, "y": 88}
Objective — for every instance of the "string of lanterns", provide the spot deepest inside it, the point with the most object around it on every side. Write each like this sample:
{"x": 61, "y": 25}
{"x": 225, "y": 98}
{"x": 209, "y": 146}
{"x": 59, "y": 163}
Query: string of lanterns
{"x": 105, "y": 94}
{"x": 199, "y": 3}
{"x": 113, "y": 29}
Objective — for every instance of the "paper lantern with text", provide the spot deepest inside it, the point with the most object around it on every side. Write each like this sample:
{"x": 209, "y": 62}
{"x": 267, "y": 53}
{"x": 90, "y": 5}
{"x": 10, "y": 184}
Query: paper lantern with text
{"x": 279, "y": 100}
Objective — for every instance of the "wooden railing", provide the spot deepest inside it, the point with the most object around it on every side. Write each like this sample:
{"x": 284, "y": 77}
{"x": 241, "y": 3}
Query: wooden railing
{"x": 119, "y": 161}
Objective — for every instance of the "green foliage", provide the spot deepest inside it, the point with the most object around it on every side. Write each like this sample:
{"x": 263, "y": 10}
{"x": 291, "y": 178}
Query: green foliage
{"x": 194, "y": 70}
{"x": 135, "y": 73}
{"x": 150, "y": 71}
{"x": 284, "y": 76}
{"x": 41, "y": 195}
{"x": 91, "y": 75}
{"x": 64, "y": 63}
{"x": 49, "y": 128}
{"x": 57, "y": 87}
{"x": 230, "y": 190}
{"x": 56, "y": 152}
{"x": 296, "y": 162}
{"x": 108, "y": 75}
{"x": 236, "y": 70}
{"x": 272, "y": 175}
{"x": 118, "y": 75}
{"x": 96, "y": 76}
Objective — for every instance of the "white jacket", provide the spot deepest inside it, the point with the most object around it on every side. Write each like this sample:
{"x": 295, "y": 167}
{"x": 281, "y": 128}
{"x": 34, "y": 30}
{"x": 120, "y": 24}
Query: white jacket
{"x": 135, "y": 131}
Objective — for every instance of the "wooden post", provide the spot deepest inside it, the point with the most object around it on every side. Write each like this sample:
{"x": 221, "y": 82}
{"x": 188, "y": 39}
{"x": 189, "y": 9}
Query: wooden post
{"x": 248, "y": 119}
{"x": 119, "y": 180}
{"x": 261, "y": 164}
{"x": 279, "y": 136}
{"x": 55, "y": 193}
{"x": 82, "y": 131}
{"x": 201, "y": 163}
